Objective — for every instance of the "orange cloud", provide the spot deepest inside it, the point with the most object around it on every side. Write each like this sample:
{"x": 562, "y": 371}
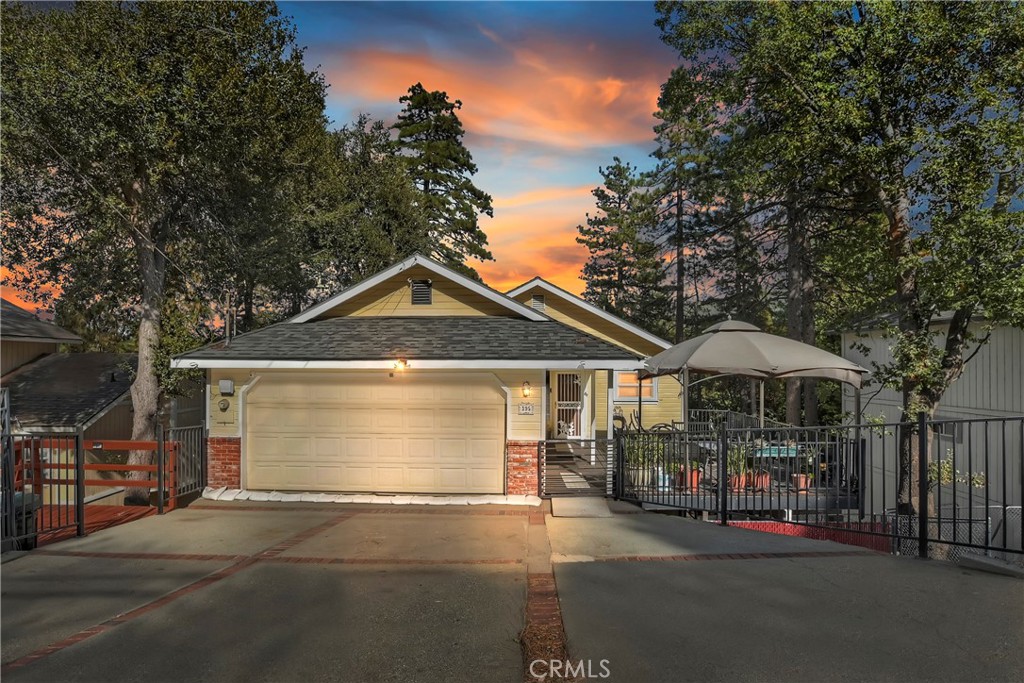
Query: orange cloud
{"x": 567, "y": 103}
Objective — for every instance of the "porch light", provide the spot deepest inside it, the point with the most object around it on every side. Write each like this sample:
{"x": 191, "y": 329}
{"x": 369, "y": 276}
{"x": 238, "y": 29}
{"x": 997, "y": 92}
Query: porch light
{"x": 527, "y": 390}
{"x": 401, "y": 364}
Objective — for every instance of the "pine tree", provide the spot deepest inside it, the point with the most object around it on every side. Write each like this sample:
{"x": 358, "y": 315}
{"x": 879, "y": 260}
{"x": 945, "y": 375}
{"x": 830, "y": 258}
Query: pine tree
{"x": 430, "y": 137}
{"x": 624, "y": 273}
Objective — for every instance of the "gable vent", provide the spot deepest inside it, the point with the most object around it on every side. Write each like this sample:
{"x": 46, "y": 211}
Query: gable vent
{"x": 421, "y": 292}
{"x": 537, "y": 302}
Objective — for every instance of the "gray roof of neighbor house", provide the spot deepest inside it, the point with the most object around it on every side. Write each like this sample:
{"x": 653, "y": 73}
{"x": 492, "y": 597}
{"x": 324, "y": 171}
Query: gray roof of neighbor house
{"x": 17, "y": 324}
{"x": 424, "y": 338}
{"x": 65, "y": 390}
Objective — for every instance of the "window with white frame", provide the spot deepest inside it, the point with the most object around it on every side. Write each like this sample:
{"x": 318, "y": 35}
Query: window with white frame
{"x": 628, "y": 388}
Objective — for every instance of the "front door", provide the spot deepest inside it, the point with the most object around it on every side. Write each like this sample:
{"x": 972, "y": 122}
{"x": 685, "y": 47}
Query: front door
{"x": 569, "y": 397}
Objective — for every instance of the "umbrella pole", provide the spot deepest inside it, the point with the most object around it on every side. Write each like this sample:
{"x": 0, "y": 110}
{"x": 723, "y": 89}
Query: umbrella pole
{"x": 639, "y": 403}
{"x": 685, "y": 381}
{"x": 762, "y": 404}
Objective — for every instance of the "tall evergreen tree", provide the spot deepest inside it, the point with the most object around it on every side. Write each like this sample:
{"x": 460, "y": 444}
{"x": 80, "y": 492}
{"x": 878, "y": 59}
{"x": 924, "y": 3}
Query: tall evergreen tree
{"x": 430, "y": 136}
{"x": 624, "y": 273}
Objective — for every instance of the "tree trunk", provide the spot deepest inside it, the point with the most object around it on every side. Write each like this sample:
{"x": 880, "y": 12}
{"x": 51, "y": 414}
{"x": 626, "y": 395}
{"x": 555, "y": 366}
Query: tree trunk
{"x": 680, "y": 271}
{"x": 799, "y": 311}
{"x": 145, "y": 390}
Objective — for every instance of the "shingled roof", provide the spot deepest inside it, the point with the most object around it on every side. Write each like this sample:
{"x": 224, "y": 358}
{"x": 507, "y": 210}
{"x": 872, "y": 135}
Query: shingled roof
{"x": 421, "y": 337}
{"x": 17, "y": 324}
{"x": 66, "y": 390}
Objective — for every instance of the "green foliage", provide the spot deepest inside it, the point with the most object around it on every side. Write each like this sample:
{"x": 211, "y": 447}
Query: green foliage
{"x": 891, "y": 132}
{"x": 942, "y": 473}
{"x": 624, "y": 272}
{"x": 430, "y": 138}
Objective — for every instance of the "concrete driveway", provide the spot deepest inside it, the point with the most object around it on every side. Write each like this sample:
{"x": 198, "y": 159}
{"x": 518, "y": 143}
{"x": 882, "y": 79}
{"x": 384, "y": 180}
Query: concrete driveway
{"x": 667, "y": 599}
{"x": 275, "y": 592}
{"x": 293, "y": 594}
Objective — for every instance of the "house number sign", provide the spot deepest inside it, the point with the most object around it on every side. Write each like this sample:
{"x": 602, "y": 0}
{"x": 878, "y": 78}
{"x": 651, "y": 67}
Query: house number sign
{"x": 526, "y": 409}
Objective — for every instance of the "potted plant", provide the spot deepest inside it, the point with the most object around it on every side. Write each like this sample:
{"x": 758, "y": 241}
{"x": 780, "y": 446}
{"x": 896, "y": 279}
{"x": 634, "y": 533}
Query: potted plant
{"x": 690, "y": 475}
{"x": 761, "y": 479}
{"x": 739, "y": 470}
{"x": 803, "y": 479}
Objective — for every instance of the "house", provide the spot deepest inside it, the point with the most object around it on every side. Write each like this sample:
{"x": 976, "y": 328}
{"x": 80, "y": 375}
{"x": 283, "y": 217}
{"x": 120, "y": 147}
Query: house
{"x": 25, "y": 338}
{"x": 991, "y": 387}
{"x": 419, "y": 380}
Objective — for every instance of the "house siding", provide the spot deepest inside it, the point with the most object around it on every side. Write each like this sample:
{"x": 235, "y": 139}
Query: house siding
{"x": 14, "y": 354}
{"x": 582, "y": 319}
{"x": 393, "y": 297}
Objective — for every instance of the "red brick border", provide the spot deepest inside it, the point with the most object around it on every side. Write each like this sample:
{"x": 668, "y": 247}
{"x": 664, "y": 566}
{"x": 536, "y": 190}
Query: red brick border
{"x": 522, "y": 468}
{"x": 733, "y": 556}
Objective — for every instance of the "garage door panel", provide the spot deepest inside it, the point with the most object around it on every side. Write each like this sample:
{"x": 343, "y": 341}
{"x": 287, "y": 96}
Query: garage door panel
{"x": 432, "y": 434}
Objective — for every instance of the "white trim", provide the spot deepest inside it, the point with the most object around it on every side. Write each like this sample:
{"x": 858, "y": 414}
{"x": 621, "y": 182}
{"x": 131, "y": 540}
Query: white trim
{"x": 587, "y": 306}
{"x": 632, "y": 399}
{"x": 431, "y": 265}
{"x": 609, "y": 428}
{"x": 544, "y": 407}
{"x": 414, "y": 364}
{"x": 242, "y": 436}
{"x": 104, "y": 410}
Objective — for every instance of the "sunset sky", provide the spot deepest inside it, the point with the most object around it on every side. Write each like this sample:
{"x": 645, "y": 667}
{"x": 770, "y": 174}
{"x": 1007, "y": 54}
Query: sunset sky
{"x": 550, "y": 92}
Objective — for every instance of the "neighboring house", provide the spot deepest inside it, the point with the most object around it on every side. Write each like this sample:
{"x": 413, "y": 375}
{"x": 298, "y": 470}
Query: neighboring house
{"x": 991, "y": 387}
{"x": 417, "y": 379}
{"x": 25, "y": 338}
{"x": 63, "y": 393}
{"x": 992, "y": 384}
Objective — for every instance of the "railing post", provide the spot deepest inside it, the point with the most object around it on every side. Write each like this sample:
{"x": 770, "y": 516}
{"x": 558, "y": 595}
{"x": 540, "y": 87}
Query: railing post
{"x": 922, "y": 485}
{"x": 723, "y": 478}
{"x": 160, "y": 469}
{"x": 80, "y": 481}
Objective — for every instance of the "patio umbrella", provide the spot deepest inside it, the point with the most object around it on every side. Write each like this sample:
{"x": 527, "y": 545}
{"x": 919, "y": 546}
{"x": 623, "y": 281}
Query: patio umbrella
{"x": 737, "y": 348}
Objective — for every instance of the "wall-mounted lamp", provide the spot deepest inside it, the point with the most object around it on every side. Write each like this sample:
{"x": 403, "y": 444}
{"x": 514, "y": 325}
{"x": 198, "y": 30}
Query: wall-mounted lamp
{"x": 527, "y": 390}
{"x": 401, "y": 364}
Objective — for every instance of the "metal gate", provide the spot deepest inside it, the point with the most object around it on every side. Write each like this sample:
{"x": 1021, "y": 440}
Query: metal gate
{"x": 188, "y": 448}
{"x": 577, "y": 467}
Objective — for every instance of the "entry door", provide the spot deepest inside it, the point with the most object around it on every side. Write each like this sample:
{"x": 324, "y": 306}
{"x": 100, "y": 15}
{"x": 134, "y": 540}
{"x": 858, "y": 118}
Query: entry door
{"x": 568, "y": 405}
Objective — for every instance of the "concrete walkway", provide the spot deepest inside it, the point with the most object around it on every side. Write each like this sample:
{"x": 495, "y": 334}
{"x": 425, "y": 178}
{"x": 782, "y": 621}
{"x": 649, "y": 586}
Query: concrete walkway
{"x": 272, "y": 592}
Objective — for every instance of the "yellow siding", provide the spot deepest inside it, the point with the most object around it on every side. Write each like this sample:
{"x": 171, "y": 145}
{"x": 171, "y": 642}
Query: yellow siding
{"x": 524, "y": 427}
{"x": 568, "y": 313}
{"x": 14, "y": 354}
{"x": 393, "y": 298}
{"x": 668, "y": 407}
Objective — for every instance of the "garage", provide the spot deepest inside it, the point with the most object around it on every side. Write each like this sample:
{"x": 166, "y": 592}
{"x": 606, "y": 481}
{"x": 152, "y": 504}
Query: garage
{"x": 388, "y": 432}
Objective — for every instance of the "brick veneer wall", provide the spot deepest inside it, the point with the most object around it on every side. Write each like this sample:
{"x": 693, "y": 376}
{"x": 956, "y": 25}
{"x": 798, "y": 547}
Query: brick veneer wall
{"x": 522, "y": 476}
{"x": 224, "y": 462}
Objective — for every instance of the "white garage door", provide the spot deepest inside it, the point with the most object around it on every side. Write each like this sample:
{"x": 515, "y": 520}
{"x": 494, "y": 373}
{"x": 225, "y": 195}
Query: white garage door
{"x": 370, "y": 432}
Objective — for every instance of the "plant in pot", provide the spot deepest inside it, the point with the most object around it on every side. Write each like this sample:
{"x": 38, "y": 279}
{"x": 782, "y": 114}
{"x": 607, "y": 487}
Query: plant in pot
{"x": 804, "y": 477}
{"x": 761, "y": 479}
{"x": 690, "y": 475}
{"x": 641, "y": 456}
{"x": 739, "y": 469}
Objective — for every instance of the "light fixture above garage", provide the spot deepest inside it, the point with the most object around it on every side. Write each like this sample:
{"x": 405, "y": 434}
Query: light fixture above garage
{"x": 527, "y": 390}
{"x": 401, "y": 364}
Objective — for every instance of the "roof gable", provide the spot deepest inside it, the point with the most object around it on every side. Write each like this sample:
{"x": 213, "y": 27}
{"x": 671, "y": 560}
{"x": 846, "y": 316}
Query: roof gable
{"x": 578, "y": 312}
{"x": 387, "y": 294}
{"x": 17, "y": 324}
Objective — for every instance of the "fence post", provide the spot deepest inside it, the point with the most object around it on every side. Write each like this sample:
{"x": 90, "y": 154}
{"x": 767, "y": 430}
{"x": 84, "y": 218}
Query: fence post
{"x": 160, "y": 469}
{"x": 922, "y": 485}
{"x": 723, "y": 478}
{"x": 80, "y": 481}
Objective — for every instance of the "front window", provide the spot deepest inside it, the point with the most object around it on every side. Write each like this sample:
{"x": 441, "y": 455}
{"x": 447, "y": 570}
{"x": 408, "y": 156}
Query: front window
{"x": 627, "y": 387}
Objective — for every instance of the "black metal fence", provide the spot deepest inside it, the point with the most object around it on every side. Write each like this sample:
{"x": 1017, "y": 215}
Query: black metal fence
{"x": 938, "y": 488}
{"x": 189, "y": 451}
{"x": 43, "y": 487}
